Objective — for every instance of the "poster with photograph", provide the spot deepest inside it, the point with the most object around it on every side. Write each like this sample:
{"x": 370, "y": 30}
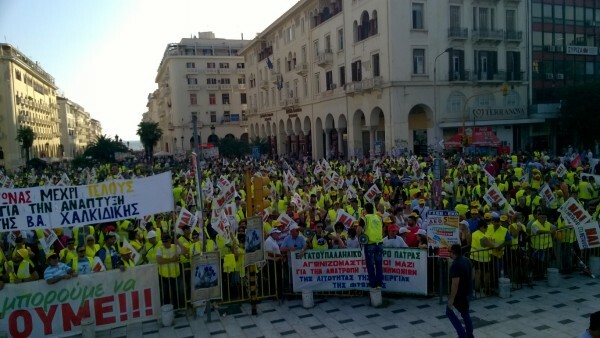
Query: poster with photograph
{"x": 205, "y": 277}
{"x": 254, "y": 241}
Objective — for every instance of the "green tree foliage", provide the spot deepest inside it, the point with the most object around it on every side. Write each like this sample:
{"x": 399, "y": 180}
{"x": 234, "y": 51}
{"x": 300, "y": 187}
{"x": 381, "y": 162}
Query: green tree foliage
{"x": 580, "y": 112}
{"x": 233, "y": 148}
{"x": 104, "y": 148}
{"x": 262, "y": 144}
{"x": 25, "y": 137}
{"x": 149, "y": 133}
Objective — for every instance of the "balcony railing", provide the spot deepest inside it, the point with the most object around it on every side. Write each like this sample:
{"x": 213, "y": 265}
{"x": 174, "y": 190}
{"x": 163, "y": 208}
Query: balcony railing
{"x": 212, "y": 86}
{"x": 324, "y": 58}
{"x": 458, "y": 33}
{"x": 264, "y": 84}
{"x": 301, "y": 68}
{"x": 241, "y": 70}
{"x": 515, "y": 36}
{"x": 225, "y": 86}
{"x": 488, "y": 35}
{"x": 353, "y": 87}
{"x": 372, "y": 83}
{"x": 191, "y": 70}
{"x": 241, "y": 86}
{"x": 225, "y": 70}
{"x": 194, "y": 87}
{"x": 211, "y": 71}
{"x": 275, "y": 76}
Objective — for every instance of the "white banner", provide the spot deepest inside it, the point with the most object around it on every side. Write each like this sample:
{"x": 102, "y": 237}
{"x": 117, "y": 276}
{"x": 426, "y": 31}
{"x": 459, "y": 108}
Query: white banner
{"x": 52, "y": 206}
{"x": 546, "y": 194}
{"x": 574, "y": 213}
{"x": 493, "y": 195}
{"x": 587, "y": 235}
{"x": 404, "y": 270}
{"x": 110, "y": 299}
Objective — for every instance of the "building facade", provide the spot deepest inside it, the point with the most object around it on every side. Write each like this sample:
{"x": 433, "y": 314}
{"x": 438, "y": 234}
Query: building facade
{"x": 27, "y": 99}
{"x": 205, "y": 75}
{"x": 361, "y": 77}
{"x": 565, "y": 41}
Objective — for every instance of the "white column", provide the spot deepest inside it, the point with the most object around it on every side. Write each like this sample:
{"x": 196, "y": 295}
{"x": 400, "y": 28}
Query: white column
{"x": 327, "y": 142}
{"x": 372, "y": 134}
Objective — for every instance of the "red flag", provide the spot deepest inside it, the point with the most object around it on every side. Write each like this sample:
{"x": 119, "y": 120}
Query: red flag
{"x": 576, "y": 162}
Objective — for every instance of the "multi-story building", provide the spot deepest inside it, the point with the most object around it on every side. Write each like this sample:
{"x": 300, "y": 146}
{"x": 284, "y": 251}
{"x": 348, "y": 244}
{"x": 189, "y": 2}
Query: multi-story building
{"x": 205, "y": 75}
{"x": 95, "y": 130}
{"x": 77, "y": 129}
{"x": 27, "y": 99}
{"x": 565, "y": 40}
{"x": 363, "y": 77}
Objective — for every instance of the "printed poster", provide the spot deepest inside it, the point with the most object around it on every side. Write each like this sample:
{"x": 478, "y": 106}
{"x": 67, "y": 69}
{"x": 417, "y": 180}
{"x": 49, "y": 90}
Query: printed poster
{"x": 205, "y": 283}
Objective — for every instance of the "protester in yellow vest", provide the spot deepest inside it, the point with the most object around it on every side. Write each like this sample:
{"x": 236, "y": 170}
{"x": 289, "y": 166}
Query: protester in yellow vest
{"x": 21, "y": 269}
{"x": 480, "y": 254}
{"x": 541, "y": 241}
{"x": 125, "y": 260}
{"x": 82, "y": 264}
{"x": 372, "y": 226}
{"x": 91, "y": 247}
{"x": 167, "y": 257}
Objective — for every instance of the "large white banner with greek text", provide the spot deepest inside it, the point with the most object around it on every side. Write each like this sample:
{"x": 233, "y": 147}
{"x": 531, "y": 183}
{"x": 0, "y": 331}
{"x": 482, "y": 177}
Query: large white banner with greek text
{"x": 109, "y": 299}
{"x": 66, "y": 206}
{"x": 404, "y": 270}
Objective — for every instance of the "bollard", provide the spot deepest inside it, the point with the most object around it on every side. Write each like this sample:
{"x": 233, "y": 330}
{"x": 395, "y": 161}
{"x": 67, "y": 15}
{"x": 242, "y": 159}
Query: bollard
{"x": 88, "y": 328}
{"x": 375, "y": 297}
{"x": 253, "y": 289}
{"x": 553, "y": 277}
{"x": 167, "y": 315}
{"x": 307, "y": 299}
{"x": 504, "y": 287}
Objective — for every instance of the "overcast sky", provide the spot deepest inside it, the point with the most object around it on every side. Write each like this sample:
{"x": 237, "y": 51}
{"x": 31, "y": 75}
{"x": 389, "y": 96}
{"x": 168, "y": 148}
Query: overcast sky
{"x": 104, "y": 54}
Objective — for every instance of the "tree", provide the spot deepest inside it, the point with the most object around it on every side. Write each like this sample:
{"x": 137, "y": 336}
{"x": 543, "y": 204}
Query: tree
{"x": 262, "y": 144}
{"x": 232, "y": 147}
{"x": 104, "y": 148}
{"x": 579, "y": 112}
{"x": 149, "y": 133}
{"x": 25, "y": 137}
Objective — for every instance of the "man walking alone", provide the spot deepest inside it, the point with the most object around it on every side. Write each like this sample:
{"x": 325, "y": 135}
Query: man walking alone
{"x": 461, "y": 289}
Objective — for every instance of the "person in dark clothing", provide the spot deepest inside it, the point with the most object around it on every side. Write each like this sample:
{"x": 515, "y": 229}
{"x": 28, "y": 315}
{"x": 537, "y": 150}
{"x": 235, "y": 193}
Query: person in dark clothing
{"x": 460, "y": 291}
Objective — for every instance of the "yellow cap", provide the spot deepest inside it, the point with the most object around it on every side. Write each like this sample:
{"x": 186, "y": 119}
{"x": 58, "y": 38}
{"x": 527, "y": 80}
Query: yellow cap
{"x": 474, "y": 211}
{"x": 487, "y": 216}
{"x": 503, "y": 218}
{"x": 124, "y": 250}
{"x": 387, "y": 220}
{"x": 24, "y": 253}
{"x": 48, "y": 255}
{"x": 421, "y": 201}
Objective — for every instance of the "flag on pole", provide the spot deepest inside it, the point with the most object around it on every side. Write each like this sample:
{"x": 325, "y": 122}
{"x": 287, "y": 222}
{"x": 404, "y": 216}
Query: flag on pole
{"x": 269, "y": 63}
{"x": 576, "y": 161}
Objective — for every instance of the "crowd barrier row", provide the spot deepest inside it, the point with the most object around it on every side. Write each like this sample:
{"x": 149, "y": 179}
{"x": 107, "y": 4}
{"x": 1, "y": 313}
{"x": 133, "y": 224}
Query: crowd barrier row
{"x": 520, "y": 264}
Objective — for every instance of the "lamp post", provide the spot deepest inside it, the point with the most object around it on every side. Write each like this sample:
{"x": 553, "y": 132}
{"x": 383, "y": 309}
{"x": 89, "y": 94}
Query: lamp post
{"x": 47, "y": 150}
{"x": 182, "y": 149}
{"x": 435, "y": 117}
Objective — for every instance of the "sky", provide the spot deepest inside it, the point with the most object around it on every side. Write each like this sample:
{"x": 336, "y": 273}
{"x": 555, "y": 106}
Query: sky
{"x": 104, "y": 54}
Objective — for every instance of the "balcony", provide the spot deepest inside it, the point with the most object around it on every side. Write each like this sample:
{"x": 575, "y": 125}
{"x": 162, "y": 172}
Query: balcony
{"x": 324, "y": 58}
{"x": 264, "y": 84}
{"x": 463, "y": 76}
{"x": 353, "y": 88}
{"x": 191, "y": 70}
{"x": 301, "y": 68}
{"x": 372, "y": 83}
{"x": 211, "y": 71}
{"x": 487, "y": 35}
{"x": 225, "y": 86}
{"x": 283, "y": 103}
{"x": 513, "y": 36}
{"x": 212, "y": 86}
{"x": 458, "y": 33}
{"x": 241, "y": 70}
{"x": 225, "y": 70}
{"x": 193, "y": 87}
{"x": 275, "y": 76}
{"x": 293, "y": 101}
{"x": 241, "y": 86}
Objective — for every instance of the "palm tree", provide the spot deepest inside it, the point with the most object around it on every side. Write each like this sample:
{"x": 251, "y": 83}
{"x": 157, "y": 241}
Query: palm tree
{"x": 104, "y": 149}
{"x": 25, "y": 137}
{"x": 149, "y": 133}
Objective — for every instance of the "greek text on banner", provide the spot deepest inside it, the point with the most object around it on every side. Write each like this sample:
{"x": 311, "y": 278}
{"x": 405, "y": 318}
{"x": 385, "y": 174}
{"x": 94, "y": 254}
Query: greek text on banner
{"x": 404, "y": 270}
{"x": 110, "y": 299}
{"x": 64, "y": 206}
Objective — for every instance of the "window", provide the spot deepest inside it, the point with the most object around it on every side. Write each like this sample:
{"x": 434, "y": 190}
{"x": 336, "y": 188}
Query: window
{"x": 375, "y": 65}
{"x": 513, "y": 66}
{"x": 212, "y": 99}
{"x": 454, "y": 17}
{"x": 486, "y": 64}
{"x": 316, "y": 48}
{"x": 243, "y": 99}
{"x": 18, "y": 75}
{"x": 455, "y": 102}
{"x": 213, "y": 117}
{"x": 457, "y": 65}
{"x": 224, "y": 65}
{"x": 210, "y": 65}
{"x": 302, "y": 29}
{"x": 240, "y": 65}
{"x": 241, "y": 80}
{"x": 305, "y": 86}
{"x": 342, "y": 75}
{"x": 340, "y": 39}
{"x": 511, "y": 20}
{"x": 190, "y": 65}
{"x": 417, "y": 16}
{"x": 327, "y": 43}
{"x": 317, "y": 83}
{"x": 329, "y": 80}
{"x": 226, "y": 81}
{"x": 418, "y": 61}
{"x": 193, "y": 99}
{"x": 356, "y": 71}
{"x": 192, "y": 81}
{"x": 295, "y": 90}
{"x": 225, "y": 98}
{"x": 226, "y": 116}
{"x": 484, "y": 19}
{"x": 211, "y": 80}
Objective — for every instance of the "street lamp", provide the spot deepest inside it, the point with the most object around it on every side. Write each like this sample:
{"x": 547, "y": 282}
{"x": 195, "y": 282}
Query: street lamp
{"x": 435, "y": 117}
{"x": 182, "y": 150}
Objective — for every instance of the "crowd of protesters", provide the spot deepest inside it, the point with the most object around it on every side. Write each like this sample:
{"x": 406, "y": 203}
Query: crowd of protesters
{"x": 406, "y": 195}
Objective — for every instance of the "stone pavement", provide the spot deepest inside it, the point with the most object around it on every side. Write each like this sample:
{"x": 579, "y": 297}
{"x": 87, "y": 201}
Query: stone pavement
{"x": 538, "y": 311}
